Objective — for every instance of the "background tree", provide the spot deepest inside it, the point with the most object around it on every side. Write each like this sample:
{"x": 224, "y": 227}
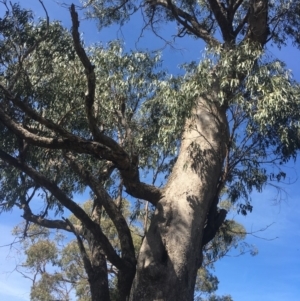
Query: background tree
{"x": 75, "y": 118}
{"x": 54, "y": 264}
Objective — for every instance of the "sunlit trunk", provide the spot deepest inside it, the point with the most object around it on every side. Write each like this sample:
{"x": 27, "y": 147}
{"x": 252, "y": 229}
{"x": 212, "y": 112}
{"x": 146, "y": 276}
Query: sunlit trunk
{"x": 171, "y": 252}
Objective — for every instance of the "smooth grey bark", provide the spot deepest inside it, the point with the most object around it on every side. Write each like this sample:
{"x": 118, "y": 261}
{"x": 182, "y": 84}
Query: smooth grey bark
{"x": 171, "y": 252}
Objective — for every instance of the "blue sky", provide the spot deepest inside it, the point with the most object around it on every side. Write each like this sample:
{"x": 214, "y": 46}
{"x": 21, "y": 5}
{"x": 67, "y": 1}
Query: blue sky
{"x": 274, "y": 274}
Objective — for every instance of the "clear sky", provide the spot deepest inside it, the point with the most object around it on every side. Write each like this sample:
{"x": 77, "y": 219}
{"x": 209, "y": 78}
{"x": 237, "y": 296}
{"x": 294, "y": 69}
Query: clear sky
{"x": 274, "y": 274}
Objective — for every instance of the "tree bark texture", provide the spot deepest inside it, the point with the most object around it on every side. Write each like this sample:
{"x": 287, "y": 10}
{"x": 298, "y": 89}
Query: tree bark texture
{"x": 171, "y": 252}
{"x": 98, "y": 276}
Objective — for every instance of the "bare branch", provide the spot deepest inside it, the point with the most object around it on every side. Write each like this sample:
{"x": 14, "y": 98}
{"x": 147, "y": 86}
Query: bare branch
{"x": 75, "y": 143}
{"x": 140, "y": 190}
{"x": 35, "y": 116}
{"x": 109, "y": 206}
{"x": 221, "y": 17}
{"x": 46, "y": 12}
{"x": 128, "y": 170}
{"x": 47, "y": 223}
{"x": 132, "y": 182}
{"x": 253, "y": 233}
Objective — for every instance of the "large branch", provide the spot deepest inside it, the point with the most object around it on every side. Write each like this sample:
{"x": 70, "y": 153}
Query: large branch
{"x": 55, "y": 143}
{"x": 42, "y": 181}
{"x": 36, "y": 116}
{"x": 43, "y": 222}
{"x": 184, "y": 18}
{"x": 25, "y": 134}
{"x": 222, "y": 19}
{"x": 129, "y": 174}
{"x": 103, "y": 148}
{"x": 110, "y": 207}
{"x": 120, "y": 158}
{"x": 74, "y": 143}
{"x": 140, "y": 190}
{"x": 90, "y": 75}
{"x": 91, "y": 85}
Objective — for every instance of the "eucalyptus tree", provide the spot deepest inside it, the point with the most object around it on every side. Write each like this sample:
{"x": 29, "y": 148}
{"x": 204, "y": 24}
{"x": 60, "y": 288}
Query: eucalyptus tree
{"x": 75, "y": 118}
{"x": 52, "y": 261}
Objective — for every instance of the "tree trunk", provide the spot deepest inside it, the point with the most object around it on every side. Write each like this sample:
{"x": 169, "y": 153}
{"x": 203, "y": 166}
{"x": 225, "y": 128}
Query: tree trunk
{"x": 99, "y": 287}
{"x": 98, "y": 275}
{"x": 171, "y": 252}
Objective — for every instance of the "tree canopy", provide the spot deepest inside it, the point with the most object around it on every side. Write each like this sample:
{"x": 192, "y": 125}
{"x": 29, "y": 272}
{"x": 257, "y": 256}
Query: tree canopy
{"x": 77, "y": 118}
